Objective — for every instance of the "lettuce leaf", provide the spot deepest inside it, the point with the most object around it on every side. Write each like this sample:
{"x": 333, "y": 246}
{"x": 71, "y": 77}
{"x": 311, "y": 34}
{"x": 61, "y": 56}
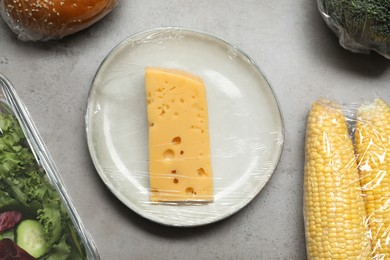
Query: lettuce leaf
{"x": 24, "y": 184}
{"x": 60, "y": 251}
{"x": 50, "y": 218}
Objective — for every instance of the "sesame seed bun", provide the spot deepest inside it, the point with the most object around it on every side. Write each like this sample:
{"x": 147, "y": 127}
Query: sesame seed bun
{"x": 53, "y": 19}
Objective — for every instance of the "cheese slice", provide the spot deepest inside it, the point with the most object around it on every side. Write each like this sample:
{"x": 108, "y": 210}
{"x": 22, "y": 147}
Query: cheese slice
{"x": 179, "y": 144}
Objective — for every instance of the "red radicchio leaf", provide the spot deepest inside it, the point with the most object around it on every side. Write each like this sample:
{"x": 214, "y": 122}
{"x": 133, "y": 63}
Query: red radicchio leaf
{"x": 9, "y": 219}
{"x": 10, "y": 251}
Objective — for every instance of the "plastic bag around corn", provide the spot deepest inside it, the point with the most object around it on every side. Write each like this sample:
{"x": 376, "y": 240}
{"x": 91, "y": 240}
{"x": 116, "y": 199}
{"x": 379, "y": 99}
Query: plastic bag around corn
{"x": 361, "y": 26}
{"x": 38, "y": 20}
{"x": 347, "y": 181}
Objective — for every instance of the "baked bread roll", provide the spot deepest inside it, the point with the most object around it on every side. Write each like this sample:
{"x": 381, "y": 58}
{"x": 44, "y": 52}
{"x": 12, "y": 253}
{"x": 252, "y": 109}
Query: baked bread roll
{"x": 52, "y": 19}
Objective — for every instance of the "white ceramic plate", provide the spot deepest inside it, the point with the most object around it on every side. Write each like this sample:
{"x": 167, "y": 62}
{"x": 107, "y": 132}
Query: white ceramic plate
{"x": 246, "y": 128}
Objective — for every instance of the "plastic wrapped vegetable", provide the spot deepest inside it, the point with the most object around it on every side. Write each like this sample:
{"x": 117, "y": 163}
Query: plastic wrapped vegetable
{"x": 372, "y": 141}
{"x": 334, "y": 210}
{"x": 52, "y": 19}
{"x": 347, "y": 195}
{"x": 361, "y": 25}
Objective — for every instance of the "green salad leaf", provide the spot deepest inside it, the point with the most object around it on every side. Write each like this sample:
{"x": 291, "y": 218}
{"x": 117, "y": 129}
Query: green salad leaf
{"x": 60, "y": 251}
{"x": 24, "y": 186}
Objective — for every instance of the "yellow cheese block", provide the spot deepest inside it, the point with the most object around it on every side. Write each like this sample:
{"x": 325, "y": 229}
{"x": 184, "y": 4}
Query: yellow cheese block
{"x": 179, "y": 144}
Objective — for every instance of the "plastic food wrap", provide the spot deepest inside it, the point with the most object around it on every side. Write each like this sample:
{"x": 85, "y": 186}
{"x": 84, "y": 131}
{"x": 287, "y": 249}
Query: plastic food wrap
{"x": 361, "y": 26}
{"x": 37, "y": 217}
{"x": 46, "y": 20}
{"x": 347, "y": 181}
{"x": 136, "y": 134}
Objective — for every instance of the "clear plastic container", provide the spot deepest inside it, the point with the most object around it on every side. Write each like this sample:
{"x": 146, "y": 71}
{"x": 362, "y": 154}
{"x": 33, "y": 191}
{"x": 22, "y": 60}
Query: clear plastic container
{"x": 33, "y": 199}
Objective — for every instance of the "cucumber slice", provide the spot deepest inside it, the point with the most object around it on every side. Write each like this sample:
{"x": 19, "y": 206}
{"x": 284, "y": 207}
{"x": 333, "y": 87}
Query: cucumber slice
{"x": 31, "y": 237}
{"x": 7, "y": 234}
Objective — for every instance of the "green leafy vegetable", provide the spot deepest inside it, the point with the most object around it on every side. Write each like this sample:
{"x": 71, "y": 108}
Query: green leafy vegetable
{"x": 365, "y": 21}
{"x": 60, "y": 251}
{"x": 24, "y": 186}
{"x": 5, "y": 199}
{"x": 50, "y": 217}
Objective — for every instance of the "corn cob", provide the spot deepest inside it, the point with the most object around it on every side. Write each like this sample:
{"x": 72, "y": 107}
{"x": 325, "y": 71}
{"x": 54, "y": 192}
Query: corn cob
{"x": 335, "y": 225}
{"x": 372, "y": 141}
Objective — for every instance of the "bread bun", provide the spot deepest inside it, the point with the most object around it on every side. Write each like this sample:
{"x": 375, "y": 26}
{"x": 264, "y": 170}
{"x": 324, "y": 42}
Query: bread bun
{"x": 53, "y": 19}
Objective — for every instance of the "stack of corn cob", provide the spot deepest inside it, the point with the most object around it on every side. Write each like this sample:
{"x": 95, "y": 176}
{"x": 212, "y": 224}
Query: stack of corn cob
{"x": 347, "y": 197}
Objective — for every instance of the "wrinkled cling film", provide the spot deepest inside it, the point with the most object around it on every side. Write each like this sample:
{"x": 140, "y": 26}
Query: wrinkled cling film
{"x": 361, "y": 26}
{"x": 37, "y": 20}
{"x": 244, "y": 126}
{"x": 32, "y": 196}
{"x": 347, "y": 181}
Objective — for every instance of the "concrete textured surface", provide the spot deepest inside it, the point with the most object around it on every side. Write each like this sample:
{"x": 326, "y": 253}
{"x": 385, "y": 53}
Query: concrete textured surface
{"x": 287, "y": 39}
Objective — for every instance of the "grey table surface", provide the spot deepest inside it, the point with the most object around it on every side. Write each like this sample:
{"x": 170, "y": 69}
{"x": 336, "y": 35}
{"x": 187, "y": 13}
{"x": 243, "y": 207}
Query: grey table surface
{"x": 287, "y": 39}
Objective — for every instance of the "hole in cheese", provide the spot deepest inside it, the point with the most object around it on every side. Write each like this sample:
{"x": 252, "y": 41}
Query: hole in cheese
{"x": 175, "y": 180}
{"x": 181, "y": 152}
{"x": 173, "y": 171}
{"x": 176, "y": 140}
{"x": 190, "y": 190}
{"x": 201, "y": 172}
{"x": 169, "y": 154}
